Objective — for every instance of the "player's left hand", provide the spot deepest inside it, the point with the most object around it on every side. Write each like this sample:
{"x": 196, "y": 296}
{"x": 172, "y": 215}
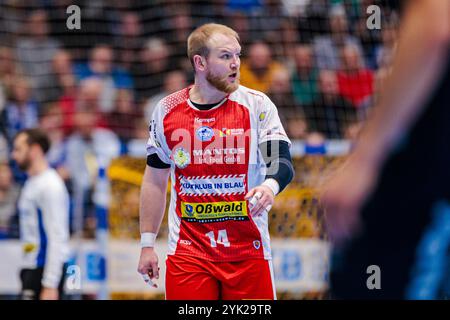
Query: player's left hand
{"x": 49, "y": 294}
{"x": 261, "y": 199}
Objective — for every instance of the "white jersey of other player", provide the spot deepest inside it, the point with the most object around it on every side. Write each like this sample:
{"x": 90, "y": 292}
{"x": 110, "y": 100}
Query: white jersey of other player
{"x": 44, "y": 225}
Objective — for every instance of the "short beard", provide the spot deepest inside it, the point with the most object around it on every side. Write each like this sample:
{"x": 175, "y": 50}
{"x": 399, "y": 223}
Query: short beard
{"x": 25, "y": 164}
{"x": 221, "y": 84}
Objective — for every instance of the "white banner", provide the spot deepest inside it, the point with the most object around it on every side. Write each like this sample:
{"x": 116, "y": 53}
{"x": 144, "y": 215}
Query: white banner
{"x": 300, "y": 265}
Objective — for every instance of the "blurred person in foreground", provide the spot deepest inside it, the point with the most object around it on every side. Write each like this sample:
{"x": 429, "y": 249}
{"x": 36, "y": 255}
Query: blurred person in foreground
{"x": 228, "y": 156}
{"x": 43, "y": 217}
{"x": 390, "y": 200}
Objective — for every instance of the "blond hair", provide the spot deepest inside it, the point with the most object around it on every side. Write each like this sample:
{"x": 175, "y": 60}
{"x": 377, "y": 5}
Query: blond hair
{"x": 197, "y": 42}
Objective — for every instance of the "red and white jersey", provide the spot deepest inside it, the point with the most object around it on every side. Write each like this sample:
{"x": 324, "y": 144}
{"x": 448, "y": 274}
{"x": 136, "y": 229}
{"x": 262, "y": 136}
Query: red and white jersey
{"x": 215, "y": 161}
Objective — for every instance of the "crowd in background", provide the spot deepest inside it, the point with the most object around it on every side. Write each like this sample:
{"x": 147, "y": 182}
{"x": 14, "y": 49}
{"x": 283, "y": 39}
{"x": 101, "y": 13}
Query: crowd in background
{"x": 93, "y": 89}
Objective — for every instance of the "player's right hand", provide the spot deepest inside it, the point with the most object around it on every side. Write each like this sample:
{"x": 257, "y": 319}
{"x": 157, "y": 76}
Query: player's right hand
{"x": 148, "y": 265}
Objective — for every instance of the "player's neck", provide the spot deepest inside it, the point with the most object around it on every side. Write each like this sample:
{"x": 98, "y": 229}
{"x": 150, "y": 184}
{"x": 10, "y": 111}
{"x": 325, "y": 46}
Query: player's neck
{"x": 38, "y": 166}
{"x": 203, "y": 93}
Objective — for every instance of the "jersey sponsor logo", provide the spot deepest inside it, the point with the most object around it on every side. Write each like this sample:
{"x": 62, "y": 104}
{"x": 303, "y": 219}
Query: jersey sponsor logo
{"x": 214, "y": 211}
{"x": 208, "y": 120}
{"x": 219, "y": 155}
{"x": 29, "y": 247}
{"x": 204, "y": 133}
{"x": 152, "y": 129}
{"x": 186, "y": 242}
{"x": 218, "y": 151}
{"x": 231, "y": 132}
{"x": 181, "y": 158}
{"x": 262, "y": 116}
{"x": 212, "y": 185}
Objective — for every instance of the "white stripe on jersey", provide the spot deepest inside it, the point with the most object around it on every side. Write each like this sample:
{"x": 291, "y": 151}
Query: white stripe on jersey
{"x": 173, "y": 220}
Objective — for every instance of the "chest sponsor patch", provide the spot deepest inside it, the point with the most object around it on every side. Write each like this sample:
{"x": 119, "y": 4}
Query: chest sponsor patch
{"x": 212, "y": 185}
{"x": 214, "y": 211}
{"x": 204, "y": 133}
{"x": 231, "y": 132}
{"x": 181, "y": 158}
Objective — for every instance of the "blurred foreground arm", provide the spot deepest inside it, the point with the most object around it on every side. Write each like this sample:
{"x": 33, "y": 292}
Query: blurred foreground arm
{"x": 421, "y": 57}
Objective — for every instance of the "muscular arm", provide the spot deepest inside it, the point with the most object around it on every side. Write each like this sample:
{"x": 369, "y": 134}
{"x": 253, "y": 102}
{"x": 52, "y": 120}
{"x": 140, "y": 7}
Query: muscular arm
{"x": 153, "y": 199}
{"x": 152, "y": 205}
{"x": 421, "y": 56}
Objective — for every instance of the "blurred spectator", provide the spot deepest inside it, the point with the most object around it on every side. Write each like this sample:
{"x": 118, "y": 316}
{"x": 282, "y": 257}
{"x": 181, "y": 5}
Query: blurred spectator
{"x": 208, "y": 11}
{"x": 62, "y": 77}
{"x": 245, "y": 6}
{"x": 315, "y": 143}
{"x": 51, "y": 122}
{"x": 136, "y": 146}
{"x": 265, "y": 21}
{"x": 122, "y": 120}
{"x": 2, "y": 98}
{"x": 87, "y": 148}
{"x": 384, "y": 53}
{"x": 330, "y": 112}
{"x": 4, "y": 148}
{"x": 355, "y": 81}
{"x": 297, "y": 127}
{"x": 352, "y": 130}
{"x": 21, "y": 112}
{"x": 8, "y": 72}
{"x": 35, "y": 53}
{"x": 281, "y": 95}
{"x": 158, "y": 12}
{"x": 181, "y": 25}
{"x": 155, "y": 62}
{"x": 12, "y": 15}
{"x": 173, "y": 81}
{"x": 286, "y": 40}
{"x": 95, "y": 27}
{"x": 86, "y": 96}
{"x": 88, "y": 145}
{"x": 304, "y": 77}
{"x": 258, "y": 68}
{"x": 101, "y": 65}
{"x": 295, "y": 8}
{"x": 9, "y": 194}
{"x": 369, "y": 38}
{"x": 327, "y": 47}
{"x": 312, "y": 17}
{"x": 129, "y": 40}
{"x": 240, "y": 22}
{"x": 90, "y": 92}
{"x": 73, "y": 41}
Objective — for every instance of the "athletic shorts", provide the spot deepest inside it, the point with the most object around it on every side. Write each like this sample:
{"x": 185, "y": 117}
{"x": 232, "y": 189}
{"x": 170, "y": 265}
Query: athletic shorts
{"x": 190, "y": 278}
{"x": 32, "y": 283}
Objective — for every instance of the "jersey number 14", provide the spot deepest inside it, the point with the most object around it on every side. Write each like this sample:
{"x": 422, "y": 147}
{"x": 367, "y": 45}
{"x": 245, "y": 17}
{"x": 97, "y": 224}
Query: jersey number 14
{"x": 222, "y": 238}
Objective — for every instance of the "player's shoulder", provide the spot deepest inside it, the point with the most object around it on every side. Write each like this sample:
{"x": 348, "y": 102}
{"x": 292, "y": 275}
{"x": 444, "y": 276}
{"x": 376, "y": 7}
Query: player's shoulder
{"x": 169, "y": 102}
{"x": 51, "y": 180}
{"x": 249, "y": 93}
{"x": 250, "y": 98}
